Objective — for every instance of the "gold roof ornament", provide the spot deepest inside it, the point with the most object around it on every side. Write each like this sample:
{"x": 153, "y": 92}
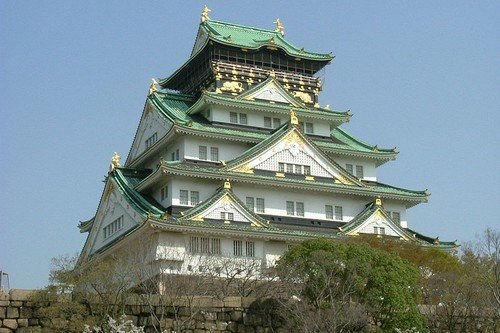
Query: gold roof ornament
{"x": 293, "y": 117}
{"x": 378, "y": 202}
{"x": 115, "y": 162}
{"x": 204, "y": 14}
{"x": 279, "y": 27}
{"x": 227, "y": 184}
{"x": 152, "y": 87}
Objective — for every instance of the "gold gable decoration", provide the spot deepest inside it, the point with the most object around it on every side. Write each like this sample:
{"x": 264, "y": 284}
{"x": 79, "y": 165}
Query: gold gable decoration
{"x": 293, "y": 117}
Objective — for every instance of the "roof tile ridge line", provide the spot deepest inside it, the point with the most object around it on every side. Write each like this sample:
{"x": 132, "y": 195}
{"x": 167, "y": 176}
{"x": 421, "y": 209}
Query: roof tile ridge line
{"x": 432, "y": 238}
{"x": 402, "y": 188}
{"x": 127, "y": 161}
{"x": 274, "y": 32}
{"x": 175, "y": 95}
{"x": 165, "y": 111}
{"x": 366, "y": 145}
{"x": 133, "y": 194}
{"x": 242, "y": 26}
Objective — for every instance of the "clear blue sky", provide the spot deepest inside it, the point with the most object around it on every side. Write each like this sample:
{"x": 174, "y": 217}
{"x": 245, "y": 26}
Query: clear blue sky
{"x": 422, "y": 76}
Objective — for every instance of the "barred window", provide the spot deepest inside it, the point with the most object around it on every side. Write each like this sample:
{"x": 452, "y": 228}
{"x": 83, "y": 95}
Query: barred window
{"x": 281, "y": 167}
{"x": 349, "y": 168}
{"x": 299, "y": 206}
{"x": 250, "y": 203}
{"x": 260, "y": 205}
{"x": 290, "y": 208}
{"x": 184, "y": 197}
{"x": 237, "y": 248}
{"x": 177, "y": 155}
{"x": 195, "y": 197}
{"x": 164, "y": 192}
{"x": 329, "y": 212}
{"x": 214, "y": 153}
{"x": 396, "y": 217}
{"x": 359, "y": 171}
{"x": 289, "y": 168}
{"x": 276, "y": 122}
{"x": 113, "y": 227}
{"x": 194, "y": 244}
{"x": 151, "y": 140}
{"x": 267, "y": 122}
{"x": 207, "y": 245}
{"x": 202, "y": 152}
{"x": 243, "y": 119}
{"x": 226, "y": 216}
{"x": 309, "y": 128}
{"x": 379, "y": 230}
{"x": 338, "y": 213}
{"x": 173, "y": 156}
{"x": 307, "y": 170}
{"x": 298, "y": 168}
{"x": 215, "y": 249}
{"x": 250, "y": 249}
{"x": 233, "y": 117}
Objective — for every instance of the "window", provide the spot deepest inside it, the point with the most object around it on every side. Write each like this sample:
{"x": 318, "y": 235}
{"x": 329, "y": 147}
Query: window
{"x": 164, "y": 192}
{"x": 243, "y": 119}
{"x": 184, "y": 197}
{"x": 113, "y": 227}
{"x": 233, "y": 117}
{"x": 329, "y": 212}
{"x": 276, "y": 122}
{"x": 290, "y": 208}
{"x": 260, "y": 205}
{"x": 307, "y": 170}
{"x": 226, "y": 216}
{"x": 173, "y": 156}
{"x": 309, "y": 128}
{"x": 379, "y": 230}
{"x": 238, "y": 248}
{"x": 289, "y": 168}
{"x": 349, "y": 168}
{"x": 294, "y": 168}
{"x": 338, "y": 213}
{"x": 267, "y": 122}
{"x": 396, "y": 217}
{"x": 281, "y": 167}
{"x": 177, "y": 154}
{"x": 294, "y": 208}
{"x": 151, "y": 140}
{"x": 299, "y": 208}
{"x": 204, "y": 245}
{"x": 195, "y": 197}
{"x": 250, "y": 249}
{"x": 202, "y": 152}
{"x": 214, "y": 153}
{"x": 359, "y": 171}
{"x": 250, "y": 203}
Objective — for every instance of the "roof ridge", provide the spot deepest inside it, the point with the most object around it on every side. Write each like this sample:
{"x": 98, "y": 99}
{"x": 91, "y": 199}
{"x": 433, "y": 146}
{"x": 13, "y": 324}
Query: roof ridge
{"x": 240, "y": 26}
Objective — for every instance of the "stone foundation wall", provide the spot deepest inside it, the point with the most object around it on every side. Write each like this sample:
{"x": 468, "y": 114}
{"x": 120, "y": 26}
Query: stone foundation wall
{"x": 18, "y": 313}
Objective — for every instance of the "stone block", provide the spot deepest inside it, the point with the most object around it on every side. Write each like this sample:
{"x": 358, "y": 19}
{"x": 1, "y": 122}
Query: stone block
{"x": 4, "y": 296}
{"x": 12, "y": 312}
{"x": 33, "y": 322}
{"x": 4, "y": 303}
{"x": 23, "y": 322}
{"x": 29, "y": 330}
{"x": 17, "y": 304}
{"x": 6, "y": 330}
{"x": 10, "y": 323}
{"x": 20, "y": 294}
{"x": 232, "y": 302}
{"x": 221, "y": 325}
{"x": 236, "y": 315}
{"x": 3, "y": 312}
{"x": 247, "y": 301}
{"x": 232, "y": 327}
{"x": 223, "y": 316}
{"x": 25, "y": 312}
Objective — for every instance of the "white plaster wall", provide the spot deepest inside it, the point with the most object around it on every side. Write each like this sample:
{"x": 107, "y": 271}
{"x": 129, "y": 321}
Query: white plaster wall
{"x": 255, "y": 118}
{"x": 228, "y": 150}
{"x": 394, "y": 206}
{"x": 206, "y": 188}
{"x": 150, "y": 124}
{"x": 314, "y": 202}
{"x": 369, "y": 168}
{"x": 273, "y": 251}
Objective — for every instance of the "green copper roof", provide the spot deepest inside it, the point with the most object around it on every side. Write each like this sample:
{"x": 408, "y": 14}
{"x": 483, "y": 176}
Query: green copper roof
{"x": 175, "y": 107}
{"x": 126, "y": 179}
{"x": 217, "y": 172}
{"x": 255, "y": 38}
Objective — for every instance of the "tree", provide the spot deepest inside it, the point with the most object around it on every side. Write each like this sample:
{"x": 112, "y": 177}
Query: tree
{"x": 340, "y": 281}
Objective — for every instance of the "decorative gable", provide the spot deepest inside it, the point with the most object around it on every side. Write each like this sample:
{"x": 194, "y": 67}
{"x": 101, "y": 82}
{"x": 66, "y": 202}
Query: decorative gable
{"x": 224, "y": 206}
{"x": 270, "y": 90}
{"x": 151, "y": 129}
{"x": 293, "y": 153}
